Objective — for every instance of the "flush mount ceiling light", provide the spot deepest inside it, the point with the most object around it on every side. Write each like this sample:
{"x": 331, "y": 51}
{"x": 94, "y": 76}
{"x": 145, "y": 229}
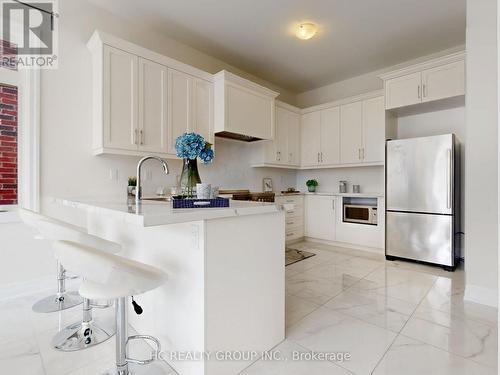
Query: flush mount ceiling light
{"x": 306, "y": 30}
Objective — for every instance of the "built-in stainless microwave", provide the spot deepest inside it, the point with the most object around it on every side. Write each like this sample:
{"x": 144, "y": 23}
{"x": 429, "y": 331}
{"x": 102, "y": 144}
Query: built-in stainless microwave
{"x": 354, "y": 213}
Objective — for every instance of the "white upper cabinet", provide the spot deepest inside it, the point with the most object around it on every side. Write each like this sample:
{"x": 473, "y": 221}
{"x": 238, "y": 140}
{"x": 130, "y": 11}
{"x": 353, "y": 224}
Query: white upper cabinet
{"x": 351, "y": 133}
{"x": 284, "y": 150}
{"x": 311, "y": 138}
{"x": 403, "y": 91}
{"x": 180, "y": 99}
{"x": 243, "y": 108}
{"x": 153, "y": 106}
{"x": 281, "y": 139}
{"x": 202, "y": 112}
{"x": 330, "y": 136}
{"x": 293, "y": 138}
{"x": 363, "y": 131}
{"x": 142, "y": 100}
{"x": 444, "y": 81}
{"x": 321, "y": 137}
{"x": 374, "y": 130}
{"x": 432, "y": 80}
{"x": 119, "y": 92}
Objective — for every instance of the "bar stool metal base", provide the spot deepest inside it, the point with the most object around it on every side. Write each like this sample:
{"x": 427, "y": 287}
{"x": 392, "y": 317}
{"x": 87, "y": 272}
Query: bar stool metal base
{"x": 83, "y": 335}
{"x": 58, "y": 302}
{"x": 133, "y": 369}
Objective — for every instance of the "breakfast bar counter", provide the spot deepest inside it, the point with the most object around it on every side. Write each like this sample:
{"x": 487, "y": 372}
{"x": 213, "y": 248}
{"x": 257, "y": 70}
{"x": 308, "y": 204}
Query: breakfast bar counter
{"x": 226, "y": 280}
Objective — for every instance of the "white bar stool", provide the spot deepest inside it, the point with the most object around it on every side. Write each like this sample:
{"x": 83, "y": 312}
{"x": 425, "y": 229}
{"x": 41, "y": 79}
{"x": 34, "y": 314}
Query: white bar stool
{"x": 89, "y": 331}
{"x": 108, "y": 276}
{"x": 63, "y": 299}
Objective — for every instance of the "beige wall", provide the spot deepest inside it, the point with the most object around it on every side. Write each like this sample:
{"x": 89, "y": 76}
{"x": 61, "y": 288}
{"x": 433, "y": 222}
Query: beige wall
{"x": 481, "y": 159}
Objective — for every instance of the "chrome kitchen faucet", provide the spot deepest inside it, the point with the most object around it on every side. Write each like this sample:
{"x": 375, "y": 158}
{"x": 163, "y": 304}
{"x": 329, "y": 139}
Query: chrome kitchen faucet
{"x": 138, "y": 190}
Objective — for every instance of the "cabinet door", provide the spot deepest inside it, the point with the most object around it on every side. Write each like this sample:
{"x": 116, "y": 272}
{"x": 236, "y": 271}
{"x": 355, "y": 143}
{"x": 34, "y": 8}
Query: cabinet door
{"x": 180, "y": 106}
{"x": 281, "y": 137}
{"x": 403, "y": 91}
{"x": 373, "y": 130}
{"x": 443, "y": 81}
{"x": 203, "y": 109}
{"x": 294, "y": 139}
{"x": 153, "y": 106}
{"x": 320, "y": 217}
{"x": 310, "y": 138}
{"x": 351, "y": 128}
{"x": 120, "y": 99}
{"x": 330, "y": 136}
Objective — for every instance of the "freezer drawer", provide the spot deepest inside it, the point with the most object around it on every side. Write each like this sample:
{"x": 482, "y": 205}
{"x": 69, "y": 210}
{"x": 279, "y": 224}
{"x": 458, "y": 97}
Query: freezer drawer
{"x": 423, "y": 237}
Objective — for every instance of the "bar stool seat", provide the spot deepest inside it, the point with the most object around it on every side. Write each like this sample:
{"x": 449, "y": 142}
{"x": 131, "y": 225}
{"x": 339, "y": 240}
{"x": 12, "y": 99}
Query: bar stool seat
{"x": 52, "y": 229}
{"x": 108, "y": 276}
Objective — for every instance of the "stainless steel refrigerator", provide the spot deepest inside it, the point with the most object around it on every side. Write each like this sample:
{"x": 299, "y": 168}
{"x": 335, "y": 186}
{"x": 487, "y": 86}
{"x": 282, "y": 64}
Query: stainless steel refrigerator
{"x": 422, "y": 199}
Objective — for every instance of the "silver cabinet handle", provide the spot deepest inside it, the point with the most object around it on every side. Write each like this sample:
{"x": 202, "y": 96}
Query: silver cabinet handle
{"x": 318, "y": 157}
{"x": 333, "y": 204}
{"x": 424, "y": 90}
{"x": 141, "y": 132}
{"x": 362, "y": 153}
{"x": 277, "y": 156}
{"x": 290, "y": 234}
{"x": 135, "y": 136}
{"x": 322, "y": 157}
{"x": 448, "y": 178}
{"x": 418, "y": 92}
{"x": 359, "y": 153}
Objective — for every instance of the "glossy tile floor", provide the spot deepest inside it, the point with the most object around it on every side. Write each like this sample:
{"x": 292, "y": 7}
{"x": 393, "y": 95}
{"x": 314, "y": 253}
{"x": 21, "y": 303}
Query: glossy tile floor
{"x": 391, "y": 317}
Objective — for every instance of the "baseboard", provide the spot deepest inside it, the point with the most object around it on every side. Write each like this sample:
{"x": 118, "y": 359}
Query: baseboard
{"x": 373, "y": 250}
{"x": 482, "y": 295}
{"x": 26, "y": 288}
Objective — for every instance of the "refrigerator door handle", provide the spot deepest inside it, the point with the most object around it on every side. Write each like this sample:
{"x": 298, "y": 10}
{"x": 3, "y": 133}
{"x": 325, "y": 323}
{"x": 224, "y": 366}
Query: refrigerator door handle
{"x": 448, "y": 178}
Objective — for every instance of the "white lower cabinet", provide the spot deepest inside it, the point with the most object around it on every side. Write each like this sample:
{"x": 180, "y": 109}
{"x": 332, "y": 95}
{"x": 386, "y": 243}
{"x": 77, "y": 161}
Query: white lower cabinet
{"x": 362, "y": 235}
{"x": 319, "y": 215}
{"x": 293, "y": 205}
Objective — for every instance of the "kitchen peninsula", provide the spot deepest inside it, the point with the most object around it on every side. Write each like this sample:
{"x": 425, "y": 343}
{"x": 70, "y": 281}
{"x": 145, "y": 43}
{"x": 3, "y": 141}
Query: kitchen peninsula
{"x": 226, "y": 282}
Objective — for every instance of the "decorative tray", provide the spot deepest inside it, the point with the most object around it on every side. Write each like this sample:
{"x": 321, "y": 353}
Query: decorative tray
{"x": 200, "y": 203}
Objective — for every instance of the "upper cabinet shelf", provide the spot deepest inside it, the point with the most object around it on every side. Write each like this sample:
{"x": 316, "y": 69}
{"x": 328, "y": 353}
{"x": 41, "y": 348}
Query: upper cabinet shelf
{"x": 142, "y": 101}
{"x": 243, "y": 109}
{"x": 430, "y": 81}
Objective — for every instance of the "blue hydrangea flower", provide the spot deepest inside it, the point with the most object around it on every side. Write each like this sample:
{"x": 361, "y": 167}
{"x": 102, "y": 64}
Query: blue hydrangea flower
{"x": 207, "y": 155}
{"x": 192, "y": 145}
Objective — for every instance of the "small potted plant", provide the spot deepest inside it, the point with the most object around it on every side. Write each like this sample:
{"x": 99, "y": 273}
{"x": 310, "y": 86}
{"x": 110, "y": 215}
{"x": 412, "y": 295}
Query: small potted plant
{"x": 132, "y": 183}
{"x": 311, "y": 185}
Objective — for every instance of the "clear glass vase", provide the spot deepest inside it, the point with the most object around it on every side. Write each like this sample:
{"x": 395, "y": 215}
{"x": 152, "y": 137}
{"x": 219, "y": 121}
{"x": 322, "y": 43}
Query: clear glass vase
{"x": 189, "y": 177}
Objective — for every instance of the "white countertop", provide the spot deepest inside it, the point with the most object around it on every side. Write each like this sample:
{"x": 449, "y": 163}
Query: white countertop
{"x": 150, "y": 213}
{"x": 333, "y": 194}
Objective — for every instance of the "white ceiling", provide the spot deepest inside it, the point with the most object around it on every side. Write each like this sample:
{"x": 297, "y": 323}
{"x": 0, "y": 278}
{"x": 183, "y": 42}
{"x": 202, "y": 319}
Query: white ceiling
{"x": 355, "y": 37}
